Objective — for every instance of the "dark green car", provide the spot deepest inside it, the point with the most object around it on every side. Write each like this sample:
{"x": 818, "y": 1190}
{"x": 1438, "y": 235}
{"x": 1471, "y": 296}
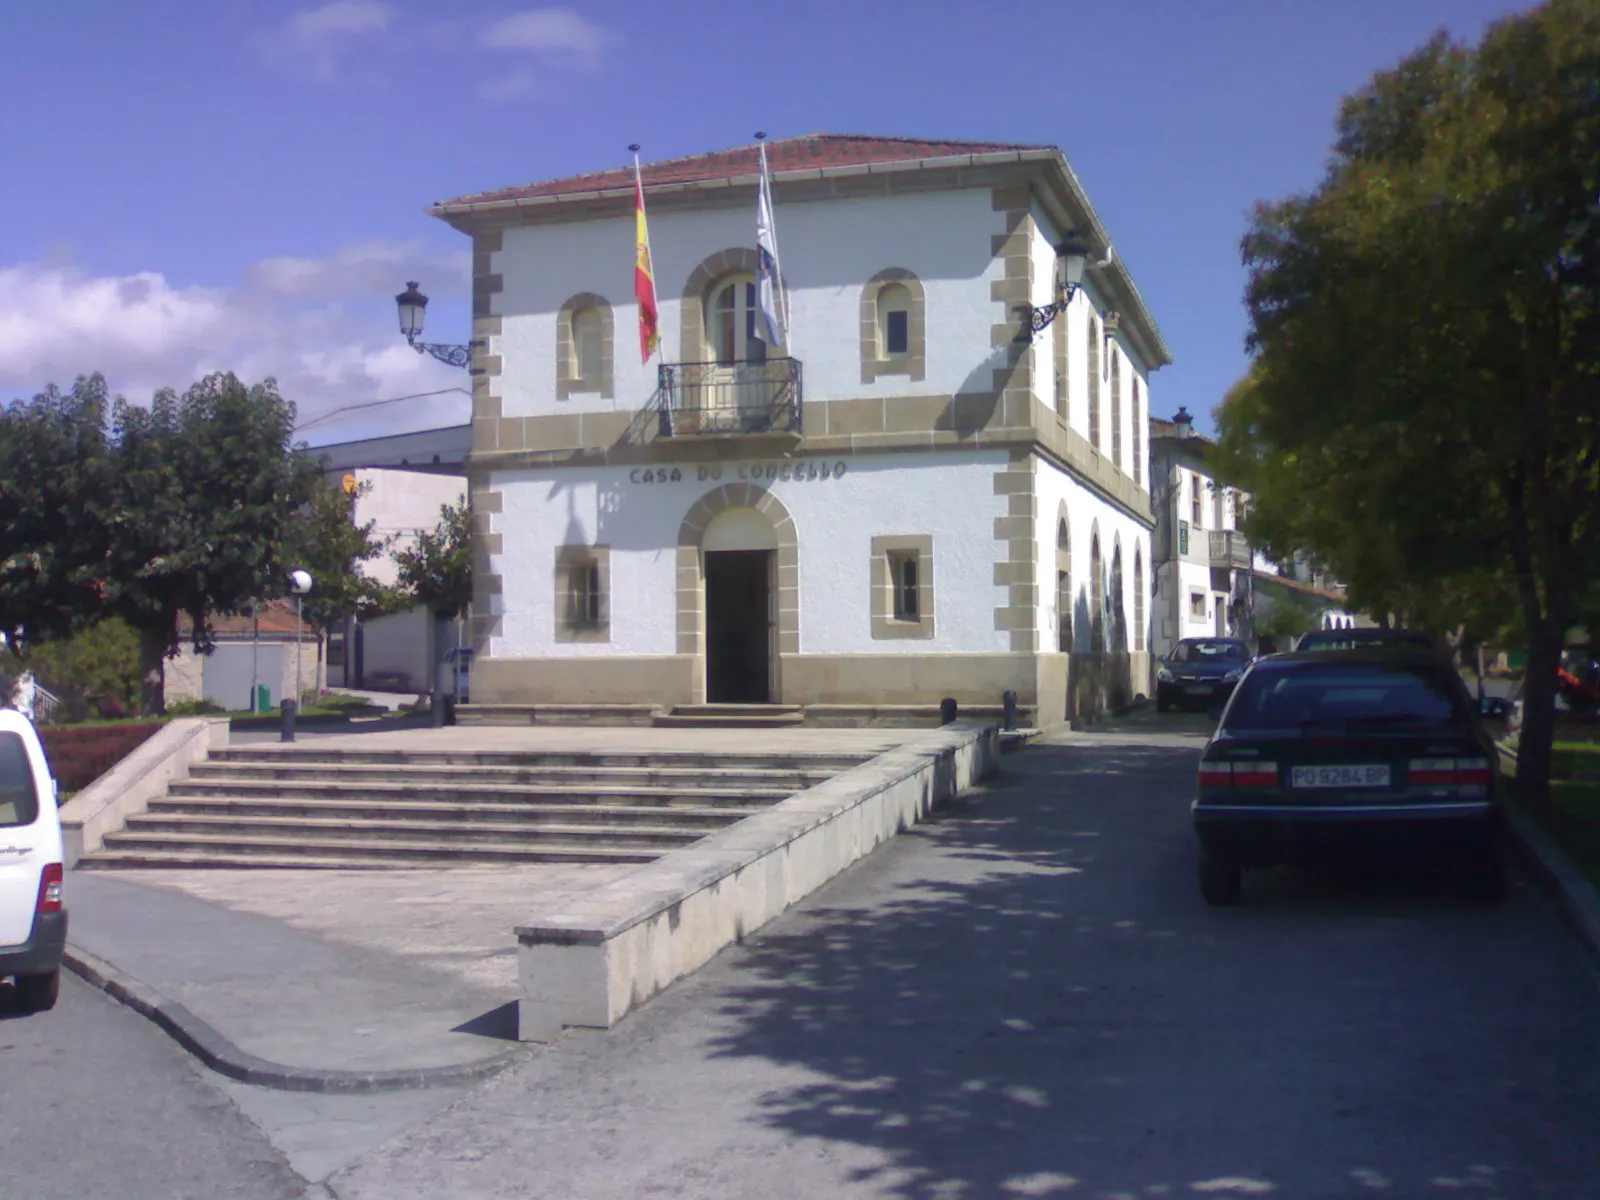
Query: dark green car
{"x": 1375, "y": 756}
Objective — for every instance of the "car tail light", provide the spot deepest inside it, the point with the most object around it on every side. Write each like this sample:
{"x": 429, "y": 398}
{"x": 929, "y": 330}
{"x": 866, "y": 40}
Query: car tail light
{"x": 1238, "y": 774}
{"x": 1448, "y": 771}
{"x": 50, "y": 880}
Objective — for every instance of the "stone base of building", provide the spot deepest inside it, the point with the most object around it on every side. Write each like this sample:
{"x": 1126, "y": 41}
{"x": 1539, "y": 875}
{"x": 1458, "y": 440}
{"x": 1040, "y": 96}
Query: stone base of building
{"x": 1055, "y": 688}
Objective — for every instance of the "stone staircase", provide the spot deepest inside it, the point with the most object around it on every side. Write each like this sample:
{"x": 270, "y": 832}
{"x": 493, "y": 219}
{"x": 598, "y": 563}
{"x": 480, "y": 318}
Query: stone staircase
{"x": 301, "y": 806}
{"x": 730, "y": 716}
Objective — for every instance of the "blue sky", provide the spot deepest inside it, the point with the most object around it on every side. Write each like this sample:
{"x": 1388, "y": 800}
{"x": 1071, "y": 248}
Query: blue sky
{"x": 201, "y": 184}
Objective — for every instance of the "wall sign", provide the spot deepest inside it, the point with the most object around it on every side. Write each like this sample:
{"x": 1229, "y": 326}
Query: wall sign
{"x": 776, "y": 472}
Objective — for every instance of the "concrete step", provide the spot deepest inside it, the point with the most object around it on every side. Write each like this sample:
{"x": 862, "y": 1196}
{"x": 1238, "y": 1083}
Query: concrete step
{"x": 142, "y": 860}
{"x": 696, "y": 719}
{"x": 595, "y": 816}
{"x": 148, "y": 849}
{"x": 470, "y": 793}
{"x": 738, "y": 710}
{"x": 309, "y": 752}
{"x": 412, "y": 773}
{"x": 405, "y": 832}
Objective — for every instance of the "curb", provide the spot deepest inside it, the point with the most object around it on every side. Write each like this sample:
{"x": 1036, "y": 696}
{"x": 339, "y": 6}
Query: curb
{"x": 222, "y": 1056}
{"x": 1561, "y": 882}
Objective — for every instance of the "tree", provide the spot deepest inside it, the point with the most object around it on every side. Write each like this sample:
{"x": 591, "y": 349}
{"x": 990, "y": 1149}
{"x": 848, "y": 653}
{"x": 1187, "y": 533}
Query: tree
{"x": 437, "y": 569}
{"x": 1426, "y": 332}
{"x": 204, "y": 492}
{"x": 332, "y": 547}
{"x": 54, "y": 480}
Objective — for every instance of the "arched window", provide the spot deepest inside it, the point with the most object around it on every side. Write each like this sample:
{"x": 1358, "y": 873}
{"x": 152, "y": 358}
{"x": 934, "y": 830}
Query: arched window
{"x": 587, "y": 353}
{"x": 731, "y": 315}
{"x": 1138, "y": 598}
{"x": 892, "y": 326}
{"x": 894, "y": 320}
{"x": 583, "y": 346}
{"x": 1094, "y": 382}
{"x": 1063, "y": 587}
{"x": 1119, "y": 607}
{"x": 1137, "y": 430}
{"x": 1097, "y": 595}
{"x": 1116, "y": 404}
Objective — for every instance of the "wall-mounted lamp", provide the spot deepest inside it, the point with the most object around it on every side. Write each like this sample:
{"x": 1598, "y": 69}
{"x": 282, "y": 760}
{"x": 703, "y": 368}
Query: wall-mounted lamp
{"x": 1072, "y": 259}
{"x": 413, "y": 307}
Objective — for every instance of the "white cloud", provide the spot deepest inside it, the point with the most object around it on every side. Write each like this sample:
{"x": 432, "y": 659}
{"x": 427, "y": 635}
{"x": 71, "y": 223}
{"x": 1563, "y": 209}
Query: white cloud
{"x": 318, "y": 27}
{"x": 548, "y": 31}
{"x": 321, "y": 35}
{"x": 324, "y": 328}
{"x": 557, "y": 38}
{"x": 509, "y": 86}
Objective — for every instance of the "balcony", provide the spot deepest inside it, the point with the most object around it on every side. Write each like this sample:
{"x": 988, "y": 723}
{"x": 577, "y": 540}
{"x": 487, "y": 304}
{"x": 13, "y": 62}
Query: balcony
{"x": 1227, "y": 548}
{"x": 744, "y": 399}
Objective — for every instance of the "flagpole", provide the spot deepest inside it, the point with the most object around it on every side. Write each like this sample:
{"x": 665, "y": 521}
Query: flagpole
{"x": 765, "y": 187}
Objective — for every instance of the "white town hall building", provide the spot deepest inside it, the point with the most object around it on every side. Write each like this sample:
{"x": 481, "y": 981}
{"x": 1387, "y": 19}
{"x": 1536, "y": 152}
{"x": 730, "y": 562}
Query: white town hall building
{"x": 910, "y": 501}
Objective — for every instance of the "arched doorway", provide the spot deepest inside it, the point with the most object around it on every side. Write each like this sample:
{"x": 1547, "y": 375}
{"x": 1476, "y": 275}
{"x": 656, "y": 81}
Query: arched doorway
{"x": 738, "y": 549}
{"x": 738, "y": 592}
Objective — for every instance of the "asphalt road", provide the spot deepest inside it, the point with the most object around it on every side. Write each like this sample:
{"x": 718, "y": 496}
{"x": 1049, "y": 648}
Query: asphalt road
{"x": 95, "y": 1102}
{"x": 1028, "y": 998}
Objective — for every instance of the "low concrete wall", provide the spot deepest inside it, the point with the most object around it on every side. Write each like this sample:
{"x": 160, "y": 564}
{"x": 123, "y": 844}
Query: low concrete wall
{"x": 128, "y": 788}
{"x": 619, "y": 945}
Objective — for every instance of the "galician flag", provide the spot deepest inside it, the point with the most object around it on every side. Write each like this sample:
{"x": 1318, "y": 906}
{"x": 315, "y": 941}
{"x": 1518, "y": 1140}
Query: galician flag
{"x": 774, "y": 312}
{"x": 644, "y": 278}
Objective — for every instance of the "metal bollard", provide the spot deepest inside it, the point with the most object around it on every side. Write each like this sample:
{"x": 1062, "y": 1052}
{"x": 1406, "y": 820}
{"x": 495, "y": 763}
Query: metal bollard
{"x": 438, "y": 708}
{"x": 290, "y": 707}
{"x": 947, "y": 710}
{"x": 1009, "y": 699}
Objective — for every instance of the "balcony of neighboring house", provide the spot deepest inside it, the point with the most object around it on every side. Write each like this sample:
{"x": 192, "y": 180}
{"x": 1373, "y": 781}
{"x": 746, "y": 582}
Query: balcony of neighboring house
{"x": 1227, "y": 549}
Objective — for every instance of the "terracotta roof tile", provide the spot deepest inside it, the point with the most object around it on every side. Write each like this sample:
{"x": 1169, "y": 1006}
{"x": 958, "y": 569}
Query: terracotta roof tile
{"x": 277, "y": 621}
{"x": 810, "y": 152}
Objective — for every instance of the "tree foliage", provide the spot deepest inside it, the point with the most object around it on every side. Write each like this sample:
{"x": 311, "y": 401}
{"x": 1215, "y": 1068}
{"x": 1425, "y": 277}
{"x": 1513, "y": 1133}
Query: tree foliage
{"x": 332, "y": 546}
{"x": 1422, "y": 411}
{"x": 148, "y": 514}
{"x": 437, "y": 569}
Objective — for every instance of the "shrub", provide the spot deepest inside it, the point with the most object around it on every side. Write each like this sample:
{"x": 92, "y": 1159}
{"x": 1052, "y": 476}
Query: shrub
{"x": 80, "y": 754}
{"x": 195, "y": 708}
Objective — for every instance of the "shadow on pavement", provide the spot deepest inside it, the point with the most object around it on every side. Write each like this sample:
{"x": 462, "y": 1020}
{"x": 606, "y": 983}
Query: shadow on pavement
{"x": 1032, "y": 1000}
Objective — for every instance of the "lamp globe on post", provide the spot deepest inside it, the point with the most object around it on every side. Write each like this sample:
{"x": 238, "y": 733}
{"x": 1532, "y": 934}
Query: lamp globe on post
{"x": 299, "y": 583}
{"x": 413, "y": 307}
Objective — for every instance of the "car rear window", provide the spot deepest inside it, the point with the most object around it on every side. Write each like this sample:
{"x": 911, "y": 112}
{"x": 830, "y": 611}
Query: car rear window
{"x": 1208, "y": 651}
{"x": 1349, "y": 696}
{"x": 19, "y": 799}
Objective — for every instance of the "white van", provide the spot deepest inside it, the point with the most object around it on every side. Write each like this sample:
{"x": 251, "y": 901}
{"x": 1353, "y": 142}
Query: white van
{"x": 33, "y": 923}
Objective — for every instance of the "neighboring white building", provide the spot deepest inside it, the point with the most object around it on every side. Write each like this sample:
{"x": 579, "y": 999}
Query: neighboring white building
{"x": 909, "y": 502}
{"x": 1209, "y": 581}
{"x": 412, "y": 476}
{"x": 1202, "y": 581}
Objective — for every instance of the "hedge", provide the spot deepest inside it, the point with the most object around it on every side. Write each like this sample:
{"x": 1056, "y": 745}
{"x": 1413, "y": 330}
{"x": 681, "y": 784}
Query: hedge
{"x": 80, "y": 754}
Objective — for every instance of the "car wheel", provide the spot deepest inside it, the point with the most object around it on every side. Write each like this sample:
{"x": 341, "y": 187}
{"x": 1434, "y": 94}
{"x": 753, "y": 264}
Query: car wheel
{"x": 1221, "y": 883}
{"x": 37, "y": 993}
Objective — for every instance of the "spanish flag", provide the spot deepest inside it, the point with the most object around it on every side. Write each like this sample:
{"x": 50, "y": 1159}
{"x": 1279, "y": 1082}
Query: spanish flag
{"x": 644, "y": 279}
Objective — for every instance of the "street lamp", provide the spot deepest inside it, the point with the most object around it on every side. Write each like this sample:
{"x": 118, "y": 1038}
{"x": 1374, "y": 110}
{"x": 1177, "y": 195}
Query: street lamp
{"x": 299, "y": 584}
{"x": 1072, "y": 259}
{"x": 413, "y": 306}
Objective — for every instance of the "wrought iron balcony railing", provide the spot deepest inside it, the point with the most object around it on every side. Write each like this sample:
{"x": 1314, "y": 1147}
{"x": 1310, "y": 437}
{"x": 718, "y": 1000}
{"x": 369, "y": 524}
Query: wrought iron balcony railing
{"x": 711, "y": 398}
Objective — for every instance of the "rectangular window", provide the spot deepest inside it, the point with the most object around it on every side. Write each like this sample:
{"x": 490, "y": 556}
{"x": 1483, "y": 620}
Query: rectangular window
{"x": 1197, "y": 606}
{"x": 583, "y": 594}
{"x": 1194, "y": 501}
{"x": 589, "y": 351}
{"x": 903, "y": 573}
{"x": 896, "y": 332}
